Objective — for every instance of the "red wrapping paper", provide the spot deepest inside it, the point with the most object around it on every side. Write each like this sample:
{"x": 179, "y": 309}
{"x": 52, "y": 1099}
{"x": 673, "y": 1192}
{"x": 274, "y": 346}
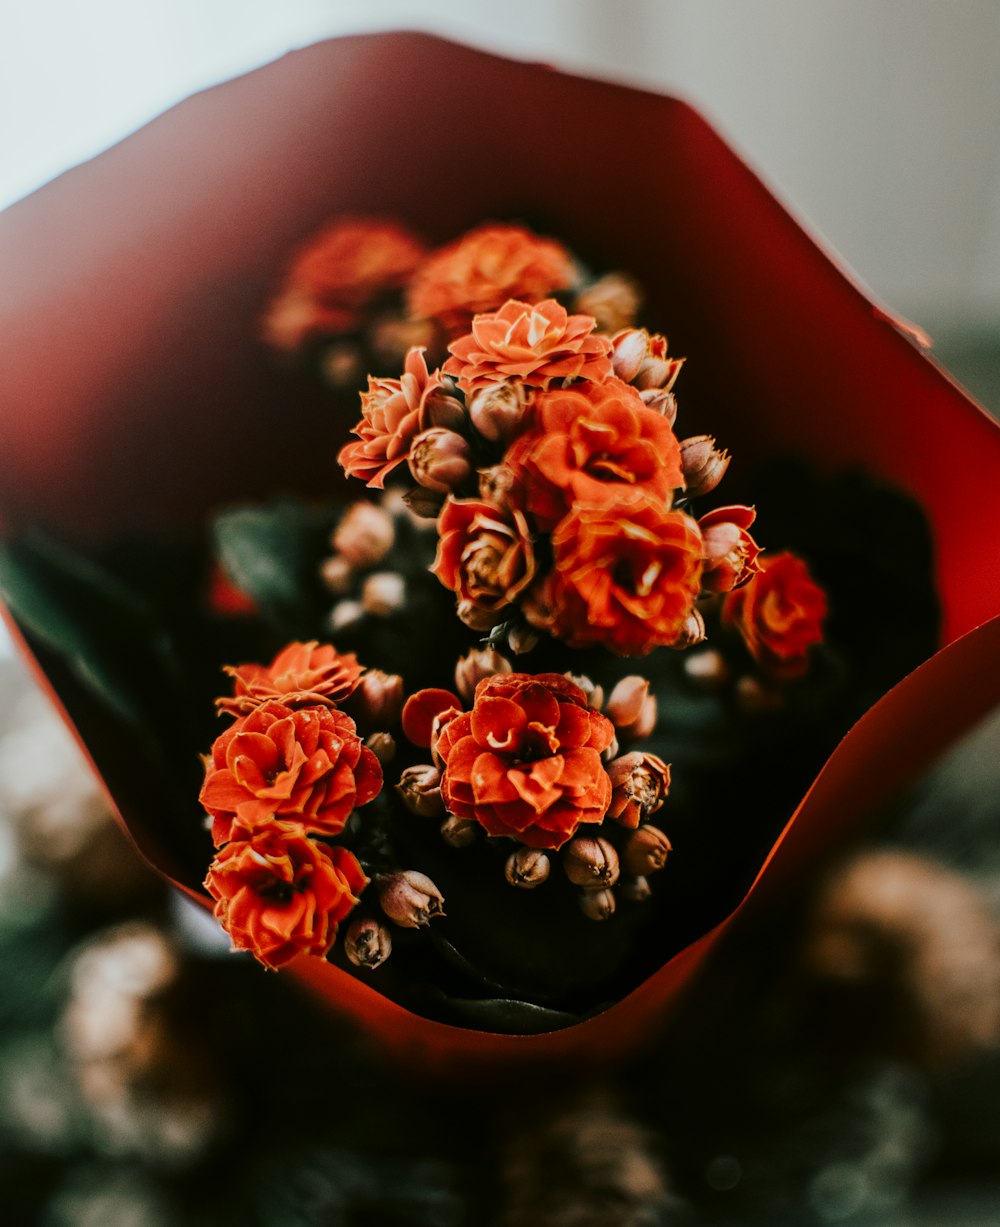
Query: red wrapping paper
{"x": 135, "y": 395}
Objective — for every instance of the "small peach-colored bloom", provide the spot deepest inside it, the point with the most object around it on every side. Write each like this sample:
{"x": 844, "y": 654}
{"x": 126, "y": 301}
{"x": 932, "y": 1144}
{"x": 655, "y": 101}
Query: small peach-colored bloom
{"x": 730, "y": 552}
{"x": 307, "y": 766}
{"x": 485, "y": 557}
{"x": 526, "y": 761}
{"x": 301, "y": 675}
{"x": 592, "y": 443}
{"x": 531, "y": 344}
{"x": 279, "y": 894}
{"x": 394, "y": 412}
{"x": 484, "y": 268}
{"x": 626, "y": 577}
{"x": 779, "y": 614}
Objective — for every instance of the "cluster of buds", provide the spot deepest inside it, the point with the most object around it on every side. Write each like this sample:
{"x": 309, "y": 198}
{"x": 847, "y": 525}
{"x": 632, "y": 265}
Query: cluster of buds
{"x": 563, "y": 788}
{"x": 407, "y": 899}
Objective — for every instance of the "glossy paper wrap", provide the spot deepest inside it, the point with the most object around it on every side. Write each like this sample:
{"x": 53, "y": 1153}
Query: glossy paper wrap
{"x": 135, "y": 395}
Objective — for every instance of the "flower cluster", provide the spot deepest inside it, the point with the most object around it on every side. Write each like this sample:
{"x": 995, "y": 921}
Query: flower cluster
{"x": 286, "y": 773}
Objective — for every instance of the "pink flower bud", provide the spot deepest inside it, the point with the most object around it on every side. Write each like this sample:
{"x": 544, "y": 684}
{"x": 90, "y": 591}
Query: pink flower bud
{"x": 377, "y": 701}
{"x": 440, "y": 460}
{"x": 628, "y": 351}
{"x": 444, "y": 407}
{"x": 420, "y": 790}
{"x": 424, "y": 504}
{"x": 383, "y": 593}
{"x": 478, "y": 617}
{"x": 632, "y": 709}
{"x": 613, "y": 300}
{"x": 498, "y": 411}
{"x": 337, "y": 575}
{"x": 383, "y": 746}
{"x": 458, "y": 832}
{"x": 639, "y": 784}
{"x": 708, "y": 669}
{"x": 521, "y": 639}
{"x": 594, "y": 693}
{"x": 657, "y": 371}
{"x": 703, "y": 464}
{"x": 474, "y": 666}
{"x": 410, "y": 899}
{"x": 692, "y": 632}
{"x": 495, "y": 484}
{"x": 646, "y": 851}
{"x": 636, "y": 890}
{"x": 730, "y": 552}
{"x": 368, "y": 943}
{"x": 527, "y": 868}
{"x": 597, "y": 904}
{"x": 345, "y": 614}
{"x": 364, "y": 535}
{"x": 661, "y": 402}
{"x": 591, "y": 863}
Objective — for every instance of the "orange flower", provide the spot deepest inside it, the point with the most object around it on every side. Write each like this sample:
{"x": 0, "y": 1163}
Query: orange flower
{"x": 531, "y": 344}
{"x": 279, "y": 894}
{"x": 730, "y": 552}
{"x": 349, "y": 263}
{"x": 483, "y": 269}
{"x": 394, "y": 412}
{"x": 526, "y": 761}
{"x": 593, "y": 443}
{"x": 779, "y": 614}
{"x": 626, "y": 577}
{"x": 307, "y": 765}
{"x": 485, "y": 556}
{"x": 301, "y": 675}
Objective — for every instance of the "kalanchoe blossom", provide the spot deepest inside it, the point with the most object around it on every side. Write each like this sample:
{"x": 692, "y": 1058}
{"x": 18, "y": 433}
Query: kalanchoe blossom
{"x": 779, "y": 614}
{"x": 483, "y": 269}
{"x": 302, "y": 674}
{"x": 306, "y": 765}
{"x": 532, "y": 344}
{"x": 641, "y": 360}
{"x": 704, "y": 465}
{"x": 474, "y": 666}
{"x": 485, "y": 557}
{"x": 626, "y": 577}
{"x": 365, "y": 534}
{"x": 640, "y": 783}
{"x": 526, "y": 761}
{"x": 279, "y": 893}
{"x": 377, "y": 703}
{"x": 632, "y": 708}
{"x": 730, "y": 552}
{"x": 394, "y": 412}
{"x": 440, "y": 460}
{"x": 592, "y": 443}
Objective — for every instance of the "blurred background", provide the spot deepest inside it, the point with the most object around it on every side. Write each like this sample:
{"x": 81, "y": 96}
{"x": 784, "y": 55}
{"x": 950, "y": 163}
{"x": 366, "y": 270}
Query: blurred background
{"x": 877, "y": 125}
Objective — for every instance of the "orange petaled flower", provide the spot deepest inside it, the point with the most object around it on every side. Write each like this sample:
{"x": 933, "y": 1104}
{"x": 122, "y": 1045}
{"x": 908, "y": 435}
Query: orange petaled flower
{"x": 730, "y": 552}
{"x": 394, "y": 412}
{"x": 779, "y": 614}
{"x": 307, "y": 765}
{"x": 531, "y": 344}
{"x": 483, "y": 269}
{"x": 301, "y": 675}
{"x": 526, "y": 761}
{"x": 279, "y": 894}
{"x": 626, "y": 577}
{"x": 484, "y": 556}
{"x": 593, "y": 443}
{"x": 349, "y": 263}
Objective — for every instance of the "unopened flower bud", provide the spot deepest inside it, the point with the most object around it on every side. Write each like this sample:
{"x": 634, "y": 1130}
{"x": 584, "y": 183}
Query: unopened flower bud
{"x": 613, "y": 300}
{"x": 521, "y": 639}
{"x": 420, "y": 789}
{"x": 336, "y": 575}
{"x": 458, "y": 832}
{"x": 611, "y": 750}
{"x": 368, "y": 943}
{"x": 383, "y": 746}
{"x": 423, "y": 503}
{"x": 632, "y": 709}
{"x": 440, "y": 460}
{"x": 636, "y": 890}
{"x": 341, "y": 365}
{"x": 597, "y": 904}
{"x": 383, "y": 593}
{"x": 498, "y": 411}
{"x": 444, "y": 407}
{"x": 477, "y": 617}
{"x": 377, "y": 701}
{"x": 645, "y": 852}
{"x": 365, "y": 534}
{"x": 495, "y": 484}
{"x": 730, "y": 553}
{"x": 591, "y": 863}
{"x": 345, "y": 614}
{"x": 628, "y": 350}
{"x": 707, "y": 669}
{"x": 703, "y": 464}
{"x": 410, "y": 899}
{"x": 662, "y": 402}
{"x": 527, "y": 868}
{"x": 594, "y": 693}
{"x": 641, "y": 360}
{"x": 639, "y": 785}
{"x": 476, "y": 665}
{"x": 692, "y": 632}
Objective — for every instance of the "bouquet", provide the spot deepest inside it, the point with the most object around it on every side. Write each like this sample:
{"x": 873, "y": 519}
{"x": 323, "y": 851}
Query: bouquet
{"x": 620, "y": 677}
